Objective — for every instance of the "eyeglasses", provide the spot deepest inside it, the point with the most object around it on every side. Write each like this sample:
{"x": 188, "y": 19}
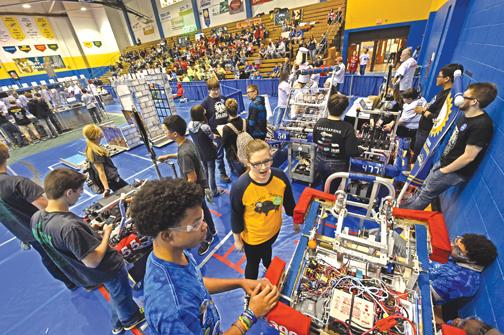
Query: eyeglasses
{"x": 248, "y": 92}
{"x": 265, "y": 163}
{"x": 192, "y": 227}
{"x": 469, "y": 98}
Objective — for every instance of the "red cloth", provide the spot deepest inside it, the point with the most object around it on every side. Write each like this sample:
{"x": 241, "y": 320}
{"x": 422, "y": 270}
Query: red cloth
{"x": 439, "y": 238}
{"x": 284, "y": 317}
{"x": 450, "y": 330}
{"x": 275, "y": 272}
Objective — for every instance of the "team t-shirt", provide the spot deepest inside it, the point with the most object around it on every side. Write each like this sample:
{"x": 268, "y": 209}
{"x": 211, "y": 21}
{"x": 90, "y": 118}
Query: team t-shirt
{"x": 335, "y": 139}
{"x": 476, "y": 131}
{"x": 215, "y": 112}
{"x": 176, "y": 300}
{"x": 256, "y": 209}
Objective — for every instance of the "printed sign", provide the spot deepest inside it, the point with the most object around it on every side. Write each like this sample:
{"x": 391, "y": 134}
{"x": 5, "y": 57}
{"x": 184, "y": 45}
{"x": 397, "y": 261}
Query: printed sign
{"x": 44, "y": 27}
{"x": 40, "y": 47}
{"x": 24, "y": 48}
{"x": 88, "y": 44}
{"x": 14, "y": 28}
{"x": 235, "y": 6}
{"x": 10, "y": 49}
{"x": 53, "y": 47}
{"x": 35, "y": 64}
{"x": 97, "y": 43}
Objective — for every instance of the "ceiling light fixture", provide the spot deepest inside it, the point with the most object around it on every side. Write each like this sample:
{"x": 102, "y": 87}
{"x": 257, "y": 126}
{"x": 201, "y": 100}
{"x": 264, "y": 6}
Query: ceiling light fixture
{"x": 26, "y": 6}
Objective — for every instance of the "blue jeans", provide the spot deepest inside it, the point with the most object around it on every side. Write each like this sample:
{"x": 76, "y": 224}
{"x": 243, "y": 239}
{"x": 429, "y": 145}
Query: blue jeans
{"x": 121, "y": 298}
{"x": 362, "y": 69}
{"x": 13, "y": 133}
{"x": 436, "y": 183}
{"x": 420, "y": 138}
{"x": 325, "y": 167}
{"x": 220, "y": 157}
{"x": 278, "y": 117}
{"x": 210, "y": 170}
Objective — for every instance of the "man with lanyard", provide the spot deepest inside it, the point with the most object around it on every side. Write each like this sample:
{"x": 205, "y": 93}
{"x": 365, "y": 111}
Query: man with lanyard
{"x": 79, "y": 251}
{"x": 216, "y": 114}
{"x": 406, "y": 71}
{"x": 20, "y": 198}
{"x": 465, "y": 149}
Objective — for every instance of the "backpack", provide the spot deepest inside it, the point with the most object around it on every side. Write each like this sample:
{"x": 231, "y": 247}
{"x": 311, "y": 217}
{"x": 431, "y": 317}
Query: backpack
{"x": 242, "y": 139}
{"x": 92, "y": 178}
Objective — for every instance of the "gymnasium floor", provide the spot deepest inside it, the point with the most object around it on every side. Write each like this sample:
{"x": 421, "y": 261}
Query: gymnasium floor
{"x": 32, "y": 302}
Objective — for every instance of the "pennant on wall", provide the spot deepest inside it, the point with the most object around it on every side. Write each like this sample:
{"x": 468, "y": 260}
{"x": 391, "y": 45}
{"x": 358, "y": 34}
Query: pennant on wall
{"x": 10, "y": 49}
{"x": 40, "y": 47}
{"x": 88, "y": 44}
{"x": 44, "y": 27}
{"x": 97, "y": 43}
{"x": 53, "y": 47}
{"x": 24, "y": 48}
{"x": 15, "y": 30}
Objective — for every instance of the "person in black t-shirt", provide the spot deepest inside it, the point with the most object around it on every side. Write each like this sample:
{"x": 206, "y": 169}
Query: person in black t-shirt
{"x": 101, "y": 161}
{"x": 465, "y": 149}
{"x": 216, "y": 114}
{"x": 25, "y": 125}
{"x": 335, "y": 139}
{"x": 20, "y": 198}
{"x": 12, "y": 132}
{"x": 431, "y": 111}
{"x": 191, "y": 168}
{"x": 79, "y": 251}
{"x": 230, "y": 135}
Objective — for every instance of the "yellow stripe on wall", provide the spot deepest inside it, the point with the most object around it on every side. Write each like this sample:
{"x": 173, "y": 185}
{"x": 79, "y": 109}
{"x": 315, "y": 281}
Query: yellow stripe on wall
{"x": 71, "y": 63}
{"x": 370, "y": 13}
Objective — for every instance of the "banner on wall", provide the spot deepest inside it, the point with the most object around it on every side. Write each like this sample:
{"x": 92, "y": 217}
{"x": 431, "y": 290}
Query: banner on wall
{"x": 165, "y": 16}
{"x": 166, "y": 3}
{"x": 206, "y": 17}
{"x": 44, "y": 27}
{"x": 14, "y": 28}
{"x": 40, "y": 47}
{"x": 24, "y": 48}
{"x": 223, "y": 7}
{"x": 29, "y": 65}
{"x": 88, "y": 44}
{"x": 97, "y": 43}
{"x": 29, "y": 27}
{"x": 148, "y": 29}
{"x": 10, "y": 49}
{"x": 177, "y": 23}
{"x": 248, "y": 23}
{"x": 53, "y": 47}
{"x": 205, "y": 3}
{"x": 235, "y": 6}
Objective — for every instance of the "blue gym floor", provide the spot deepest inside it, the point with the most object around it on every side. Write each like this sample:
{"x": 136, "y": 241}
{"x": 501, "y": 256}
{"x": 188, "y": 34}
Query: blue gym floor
{"x": 32, "y": 302}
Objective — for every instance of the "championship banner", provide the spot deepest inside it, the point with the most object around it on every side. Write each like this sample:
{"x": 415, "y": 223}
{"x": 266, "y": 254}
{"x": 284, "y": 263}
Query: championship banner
{"x": 97, "y": 43}
{"x": 29, "y": 28}
{"x": 14, "y": 28}
{"x": 24, "y": 48}
{"x": 40, "y": 47}
{"x": 44, "y": 27}
{"x": 88, "y": 44}
{"x": 10, "y": 49}
{"x": 53, "y": 47}
{"x": 235, "y": 6}
{"x": 442, "y": 126}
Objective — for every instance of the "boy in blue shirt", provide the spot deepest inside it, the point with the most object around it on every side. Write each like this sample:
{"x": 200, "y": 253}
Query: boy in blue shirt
{"x": 177, "y": 297}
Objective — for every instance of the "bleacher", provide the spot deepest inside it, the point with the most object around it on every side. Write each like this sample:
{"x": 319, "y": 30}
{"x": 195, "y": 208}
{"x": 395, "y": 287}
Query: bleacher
{"x": 311, "y": 13}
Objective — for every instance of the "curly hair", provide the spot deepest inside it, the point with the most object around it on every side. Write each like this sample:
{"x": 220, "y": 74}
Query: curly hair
{"x": 479, "y": 249}
{"x": 162, "y": 204}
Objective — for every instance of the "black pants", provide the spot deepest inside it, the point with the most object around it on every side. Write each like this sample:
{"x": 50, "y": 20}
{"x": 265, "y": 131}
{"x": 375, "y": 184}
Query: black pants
{"x": 421, "y": 136}
{"x": 50, "y": 266}
{"x": 56, "y": 123}
{"x": 94, "y": 115}
{"x": 256, "y": 253}
{"x": 207, "y": 215}
{"x": 404, "y": 132}
{"x": 325, "y": 167}
{"x": 117, "y": 184}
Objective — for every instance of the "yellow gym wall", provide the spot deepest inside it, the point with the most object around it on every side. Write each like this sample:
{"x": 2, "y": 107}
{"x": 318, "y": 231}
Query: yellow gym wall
{"x": 369, "y": 13}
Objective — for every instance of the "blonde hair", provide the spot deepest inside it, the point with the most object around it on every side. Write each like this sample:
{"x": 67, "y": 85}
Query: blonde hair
{"x": 92, "y": 135}
{"x": 255, "y": 146}
{"x": 232, "y": 105}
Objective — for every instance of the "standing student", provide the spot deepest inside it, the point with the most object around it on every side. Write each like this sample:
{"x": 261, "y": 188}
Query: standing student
{"x": 335, "y": 140}
{"x": 353, "y": 63}
{"x": 257, "y": 198}
{"x": 363, "y": 60}
{"x": 101, "y": 161}
{"x": 79, "y": 251}
{"x": 25, "y": 125}
{"x": 191, "y": 168}
{"x": 203, "y": 137}
{"x": 465, "y": 149}
{"x": 20, "y": 198}
{"x": 177, "y": 296}
{"x": 13, "y": 133}
{"x": 431, "y": 111}
{"x": 216, "y": 114}
{"x": 283, "y": 97}
{"x": 40, "y": 109}
{"x": 256, "y": 121}
{"x": 230, "y": 133}
{"x": 90, "y": 102}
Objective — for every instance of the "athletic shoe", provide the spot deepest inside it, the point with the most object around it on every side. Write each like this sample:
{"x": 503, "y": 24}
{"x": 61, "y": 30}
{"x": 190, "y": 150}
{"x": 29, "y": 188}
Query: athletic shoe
{"x": 118, "y": 330}
{"x": 219, "y": 192}
{"x": 209, "y": 195}
{"x": 225, "y": 178}
{"x": 205, "y": 246}
{"x": 138, "y": 318}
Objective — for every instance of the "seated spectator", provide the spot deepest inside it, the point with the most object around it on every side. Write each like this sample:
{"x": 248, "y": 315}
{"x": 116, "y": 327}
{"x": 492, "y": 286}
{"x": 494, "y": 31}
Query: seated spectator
{"x": 281, "y": 49}
{"x": 276, "y": 70}
{"x": 271, "y": 50}
{"x": 331, "y": 17}
{"x": 256, "y": 75}
{"x": 180, "y": 91}
{"x": 460, "y": 277}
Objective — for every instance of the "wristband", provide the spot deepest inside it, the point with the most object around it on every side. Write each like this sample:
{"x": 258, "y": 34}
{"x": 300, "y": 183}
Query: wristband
{"x": 246, "y": 321}
{"x": 250, "y": 314}
{"x": 240, "y": 327}
{"x": 243, "y": 324}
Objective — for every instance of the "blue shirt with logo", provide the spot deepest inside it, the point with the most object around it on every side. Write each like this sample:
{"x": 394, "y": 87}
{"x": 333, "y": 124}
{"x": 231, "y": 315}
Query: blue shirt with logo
{"x": 177, "y": 301}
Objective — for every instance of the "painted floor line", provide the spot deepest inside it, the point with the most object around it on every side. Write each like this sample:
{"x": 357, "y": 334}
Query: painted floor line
{"x": 136, "y": 174}
{"x": 8, "y": 241}
{"x": 138, "y": 156}
{"x": 11, "y": 171}
{"x": 214, "y": 250}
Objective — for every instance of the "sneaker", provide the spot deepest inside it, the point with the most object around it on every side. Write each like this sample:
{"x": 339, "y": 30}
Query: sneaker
{"x": 118, "y": 330}
{"x": 205, "y": 246}
{"x": 138, "y": 318}
{"x": 208, "y": 195}
{"x": 219, "y": 192}
{"x": 225, "y": 178}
